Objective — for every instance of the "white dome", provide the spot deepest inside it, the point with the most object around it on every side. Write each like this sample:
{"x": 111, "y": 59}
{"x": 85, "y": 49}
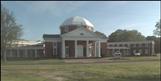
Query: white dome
{"x": 77, "y": 20}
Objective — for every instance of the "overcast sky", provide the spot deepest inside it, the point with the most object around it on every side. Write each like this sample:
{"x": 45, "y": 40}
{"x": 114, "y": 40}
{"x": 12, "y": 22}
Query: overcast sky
{"x": 45, "y": 17}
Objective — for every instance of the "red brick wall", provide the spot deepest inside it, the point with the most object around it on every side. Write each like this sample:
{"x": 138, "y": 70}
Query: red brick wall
{"x": 71, "y": 48}
{"x": 48, "y": 49}
{"x": 104, "y": 49}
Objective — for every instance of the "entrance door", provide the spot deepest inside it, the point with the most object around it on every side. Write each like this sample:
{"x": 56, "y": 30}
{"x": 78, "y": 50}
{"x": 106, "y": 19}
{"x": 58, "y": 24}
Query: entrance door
{"x": 80, "y": 51}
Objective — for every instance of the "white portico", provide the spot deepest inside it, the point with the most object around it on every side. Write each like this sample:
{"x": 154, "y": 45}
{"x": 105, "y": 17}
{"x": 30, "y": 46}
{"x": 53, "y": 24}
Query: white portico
{"x": 83, "y": 43}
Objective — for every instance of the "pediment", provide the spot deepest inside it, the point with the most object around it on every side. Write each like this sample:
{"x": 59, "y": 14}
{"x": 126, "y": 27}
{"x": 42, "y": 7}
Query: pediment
{"x": 80, "y": 32}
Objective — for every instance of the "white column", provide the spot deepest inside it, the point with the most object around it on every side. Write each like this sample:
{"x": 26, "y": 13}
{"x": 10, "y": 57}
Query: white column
{"x": 87, "y": 48}
{"x": 76, "y": 49}
{"x": 95, "y": 46}
{"x": 153, "y": 52}
{"x": 63, "y": 48}
{"x": 99, "y": 54}
{"x": 56, "y": 48}
{"x": 36, "y": 53}
{"x": 44, "y": 50}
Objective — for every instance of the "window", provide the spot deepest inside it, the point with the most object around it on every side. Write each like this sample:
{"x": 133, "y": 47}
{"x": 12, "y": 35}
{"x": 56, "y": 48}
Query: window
{"x": 143, "y": 45}
{"x": 81, "y": 33}
{"x": 54, "y": 44}
{"x": 140, "y": 51}
{"x": 134, "y": 45}
{"x": 146, "y": 51}
{"x": 126, "y": 45}
{"x": 55, "y": 52}
{"x": 146, "y": 45}
{"x": 110, "y": 45}
{"x": 134, "y": 51}
{"x": 120, "y": 45}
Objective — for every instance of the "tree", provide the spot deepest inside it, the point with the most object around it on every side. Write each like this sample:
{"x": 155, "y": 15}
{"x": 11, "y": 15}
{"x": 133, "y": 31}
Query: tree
{"x": 151, "y": 38}
{"x": 10, "y": 30}
{"x": 157, "y": 42}
{"x": 157, "y": 30}
{"x": 101, "y": 34}
{"x": 126, "y": 35}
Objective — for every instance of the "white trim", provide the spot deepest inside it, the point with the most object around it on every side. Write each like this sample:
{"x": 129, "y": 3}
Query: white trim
{"x": 63, "y": 48}
{"x": 80, "y": 38}
{"x": 95, "y": 49}
{"x": 80, "y": 30}
{"x": 56, "y": 47}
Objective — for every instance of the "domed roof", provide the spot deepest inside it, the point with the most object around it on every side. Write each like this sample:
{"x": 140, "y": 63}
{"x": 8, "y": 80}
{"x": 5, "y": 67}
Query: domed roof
{"x": 77, "y": 20}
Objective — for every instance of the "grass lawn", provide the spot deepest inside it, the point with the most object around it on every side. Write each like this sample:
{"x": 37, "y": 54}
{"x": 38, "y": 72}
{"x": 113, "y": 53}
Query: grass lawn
{"x": 130, "y": 69}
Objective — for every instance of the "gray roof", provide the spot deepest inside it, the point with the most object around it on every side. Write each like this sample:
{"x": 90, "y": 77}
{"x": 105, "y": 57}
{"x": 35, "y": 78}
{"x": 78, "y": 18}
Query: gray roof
{"x": 77, "y": 20}
{"x": 39, "y": 45}
{"x": 51, "y": 36}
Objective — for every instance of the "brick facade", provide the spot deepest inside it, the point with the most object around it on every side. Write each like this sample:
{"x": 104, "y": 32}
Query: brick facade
{"x": 48, "y": 49}
{"x": 145, "y": 48}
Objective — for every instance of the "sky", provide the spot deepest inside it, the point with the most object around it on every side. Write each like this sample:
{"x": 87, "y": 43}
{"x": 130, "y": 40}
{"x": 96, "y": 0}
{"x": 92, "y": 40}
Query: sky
{"x": 45, "y": 17}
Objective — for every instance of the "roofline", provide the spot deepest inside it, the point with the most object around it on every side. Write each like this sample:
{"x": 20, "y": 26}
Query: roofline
{"x": 50, "y": 34}
{"x": 134, "y": 42}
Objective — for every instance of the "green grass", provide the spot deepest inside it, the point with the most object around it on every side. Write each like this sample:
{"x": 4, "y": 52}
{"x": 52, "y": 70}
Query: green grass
{"x": 133, "y": 69}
